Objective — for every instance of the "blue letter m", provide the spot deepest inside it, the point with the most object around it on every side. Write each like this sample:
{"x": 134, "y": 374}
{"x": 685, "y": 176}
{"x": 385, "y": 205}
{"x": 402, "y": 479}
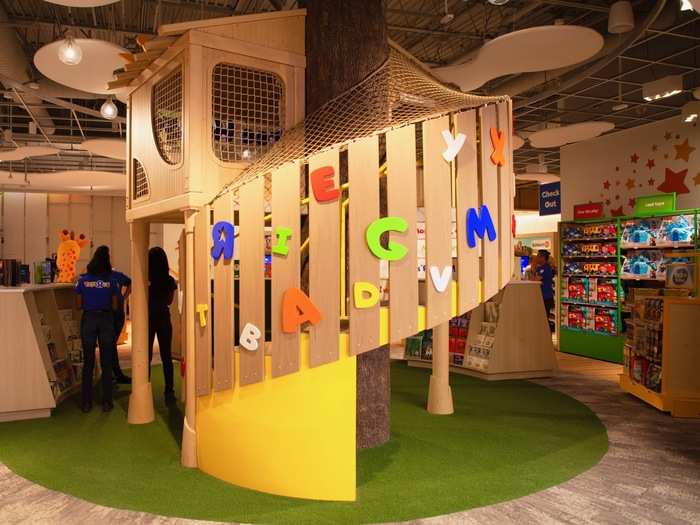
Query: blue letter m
{"x": 479, "y": 225}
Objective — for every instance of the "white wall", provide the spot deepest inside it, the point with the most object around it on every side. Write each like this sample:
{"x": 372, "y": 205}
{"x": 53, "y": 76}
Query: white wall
{"x": 604, "y": 169}
{"x": 532, "y": 223}
{"x": 31, "y": 223}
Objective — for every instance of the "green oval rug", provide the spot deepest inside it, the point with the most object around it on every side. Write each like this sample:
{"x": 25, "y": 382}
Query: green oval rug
{"x": 505, "y": 440}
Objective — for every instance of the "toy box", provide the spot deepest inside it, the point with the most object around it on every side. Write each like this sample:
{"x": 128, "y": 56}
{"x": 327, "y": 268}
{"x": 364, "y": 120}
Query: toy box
{"x": 605, "y": 321}
{"x": 676, "y": 231}
{"x": 640, "y": 233}
{"x": 603, "y": 291}
{"x": 643, "y": 264}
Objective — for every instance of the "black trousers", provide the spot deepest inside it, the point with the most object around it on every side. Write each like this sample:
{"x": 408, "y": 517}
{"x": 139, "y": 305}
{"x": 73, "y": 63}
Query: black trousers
{"x": 159, "y": 325}
{"x": 119, "y": 320}
{"x": 548, "y": 307}
{"x": 97, "y": 327}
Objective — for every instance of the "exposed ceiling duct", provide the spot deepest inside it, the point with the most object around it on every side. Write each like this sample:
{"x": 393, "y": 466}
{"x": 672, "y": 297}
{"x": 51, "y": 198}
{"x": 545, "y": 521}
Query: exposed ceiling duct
{"x": 14, "y": 64}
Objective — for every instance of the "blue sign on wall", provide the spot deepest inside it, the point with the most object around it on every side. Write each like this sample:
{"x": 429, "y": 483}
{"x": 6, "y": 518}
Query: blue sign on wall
{"x": 550, "y": 198}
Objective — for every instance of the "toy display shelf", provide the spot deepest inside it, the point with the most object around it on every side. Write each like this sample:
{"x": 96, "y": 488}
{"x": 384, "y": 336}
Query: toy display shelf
{"x": 516, "y": 342}
{"x": 597, "y": 345}
{"x": 675, "y": 387}
{"x": 37, "y": 371}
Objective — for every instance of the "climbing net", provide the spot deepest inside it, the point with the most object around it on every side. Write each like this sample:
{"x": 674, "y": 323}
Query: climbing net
{"x": 398, "y": 93}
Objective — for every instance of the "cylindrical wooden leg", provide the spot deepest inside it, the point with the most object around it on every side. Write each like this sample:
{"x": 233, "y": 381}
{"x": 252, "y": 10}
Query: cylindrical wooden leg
{"x": 141, "y": 398}
{"x": 188, "y": 456}
{"x": 440, "y": 393}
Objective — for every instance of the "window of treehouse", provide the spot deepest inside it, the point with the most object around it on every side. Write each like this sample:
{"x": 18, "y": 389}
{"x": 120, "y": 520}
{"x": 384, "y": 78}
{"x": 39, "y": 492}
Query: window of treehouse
{"x": 166, "y": 108}
{"x": 140, "y": 184}
{"x": 247, "y": 112}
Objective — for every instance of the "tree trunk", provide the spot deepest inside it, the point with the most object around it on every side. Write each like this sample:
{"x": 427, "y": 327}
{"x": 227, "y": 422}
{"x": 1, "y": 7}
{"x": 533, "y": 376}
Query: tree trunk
{"x": 346, "y": 40}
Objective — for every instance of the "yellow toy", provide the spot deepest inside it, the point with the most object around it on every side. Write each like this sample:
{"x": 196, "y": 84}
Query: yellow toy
{"x": 68, "y": 254}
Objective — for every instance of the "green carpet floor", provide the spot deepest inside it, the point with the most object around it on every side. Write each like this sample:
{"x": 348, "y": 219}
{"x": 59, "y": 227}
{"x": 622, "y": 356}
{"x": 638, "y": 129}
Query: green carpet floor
{"x": 505, "y": 440}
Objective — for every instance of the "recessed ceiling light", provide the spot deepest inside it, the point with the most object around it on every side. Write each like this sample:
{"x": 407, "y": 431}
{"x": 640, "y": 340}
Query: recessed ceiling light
{"x": 662, "y": 88}
{"x": 690, "y": 111}
{"x": 620, "y": 107}
{"x": 70, "y": 53}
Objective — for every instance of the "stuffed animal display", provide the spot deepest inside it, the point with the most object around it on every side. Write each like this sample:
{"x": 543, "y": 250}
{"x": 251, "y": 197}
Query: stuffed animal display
{"x": 68, "y": 254}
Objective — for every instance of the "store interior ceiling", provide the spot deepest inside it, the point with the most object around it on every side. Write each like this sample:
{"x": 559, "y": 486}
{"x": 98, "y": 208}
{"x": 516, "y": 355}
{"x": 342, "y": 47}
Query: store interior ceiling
{"x": 607, "y": 87}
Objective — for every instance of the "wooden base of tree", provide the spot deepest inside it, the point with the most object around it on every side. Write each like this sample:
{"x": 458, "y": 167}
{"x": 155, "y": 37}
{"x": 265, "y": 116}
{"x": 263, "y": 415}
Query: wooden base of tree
{"x": 373, "y": 398}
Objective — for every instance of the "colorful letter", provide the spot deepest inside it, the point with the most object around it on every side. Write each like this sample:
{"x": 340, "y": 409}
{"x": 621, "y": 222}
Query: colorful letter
{"x": 323, "y": 184}
{"x": 202, "y": 311}
{"x": 297, "y": 308}
{"x": 479, "y": 225}
{"x": 394, "y": 251}
{"x": 283, "y": 234}
{"x": 223, "y": 236}
{"x": 249, "y": 337}
{"x": 453, "y": 145}
{"x": 498, "y": 142}
{"x": 366, "y": 295}
{"x": 440, "y": 280}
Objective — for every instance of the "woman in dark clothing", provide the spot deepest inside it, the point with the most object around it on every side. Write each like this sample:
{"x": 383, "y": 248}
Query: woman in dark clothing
{"x": 98, "y": 298}
{"x": 161, "y": 291}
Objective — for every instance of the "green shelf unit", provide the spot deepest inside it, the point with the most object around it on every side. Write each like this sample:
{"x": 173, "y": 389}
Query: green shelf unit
{"x": 602, "y": 346}
{"x": 590, "y": 344}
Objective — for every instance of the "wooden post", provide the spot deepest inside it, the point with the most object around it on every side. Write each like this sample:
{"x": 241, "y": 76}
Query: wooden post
{"x": 188, "y": 456}
{"x": 141, "y": 398}
{"x": 440, "y": 393}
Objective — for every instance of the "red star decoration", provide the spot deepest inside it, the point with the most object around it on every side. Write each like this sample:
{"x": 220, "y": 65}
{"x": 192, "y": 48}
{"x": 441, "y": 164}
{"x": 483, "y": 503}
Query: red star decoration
{"x": 634, "y": 171}
{"x": 617, "y": 183}
{"x": 631, "y": 202}
{"x": 678, "y": 137}
{"x": 629, "y": 184}
{"x": 606, "y": 185}
{"x": 665, "y": 155}
{"x": 654, "y": 147}
{"x": 617, "y": 197}
{"x": 617, "y": 168}
{"x": 640, "y": 186}
{"x": 668, "y": 135}
{"x": 634, "y": 158}
{"x": 651, "y": 163}
{"x": 696, "y": 179}
{"x": 651, "y": 181}
{"x": 674, "y": 182}
{"x": 607, "y": 201}
{"x": 617, "y": 212}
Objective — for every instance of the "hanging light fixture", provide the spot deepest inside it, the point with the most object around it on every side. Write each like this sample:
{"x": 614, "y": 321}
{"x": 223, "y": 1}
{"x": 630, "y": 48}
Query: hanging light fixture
{"x": 621, "y": 18}
{"x": 109, "y": 109}
{"x": 69, "y": 52}
{"x": 448, "y": 16}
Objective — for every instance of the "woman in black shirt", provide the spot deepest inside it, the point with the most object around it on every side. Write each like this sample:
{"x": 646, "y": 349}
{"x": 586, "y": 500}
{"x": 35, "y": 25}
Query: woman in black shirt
{"x": 161, "y": 291}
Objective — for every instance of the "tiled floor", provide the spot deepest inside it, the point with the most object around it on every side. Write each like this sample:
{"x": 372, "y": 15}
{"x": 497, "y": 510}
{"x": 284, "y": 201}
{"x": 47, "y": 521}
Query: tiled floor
{"x": 650, "y": 475}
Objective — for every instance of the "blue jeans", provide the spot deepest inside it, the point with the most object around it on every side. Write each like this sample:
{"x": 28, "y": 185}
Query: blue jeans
{"x": 97, "y": 326}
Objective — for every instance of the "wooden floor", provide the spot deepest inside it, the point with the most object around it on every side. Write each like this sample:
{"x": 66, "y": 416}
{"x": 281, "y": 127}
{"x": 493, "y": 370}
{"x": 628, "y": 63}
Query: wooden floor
{"x": 650, "y": 475}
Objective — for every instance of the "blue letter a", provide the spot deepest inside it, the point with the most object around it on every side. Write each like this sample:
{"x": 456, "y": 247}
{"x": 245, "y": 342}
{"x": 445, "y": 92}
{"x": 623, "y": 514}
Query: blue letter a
{"x": 222, "y": 234}
{"x": 479, "y": 225}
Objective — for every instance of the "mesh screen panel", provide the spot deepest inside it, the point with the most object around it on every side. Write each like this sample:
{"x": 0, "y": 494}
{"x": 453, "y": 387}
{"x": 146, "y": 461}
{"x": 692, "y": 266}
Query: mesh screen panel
{"x": 166, "y": 101}
{"x": 399, "y": 92}
{"x": 247, "y": 112}
{"x": 140, "y": 183}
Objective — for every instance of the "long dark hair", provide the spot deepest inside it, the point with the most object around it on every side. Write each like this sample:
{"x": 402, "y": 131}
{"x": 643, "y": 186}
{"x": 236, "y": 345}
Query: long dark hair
{"x": 158, "y": 269}
{"x": 100, "y": 263}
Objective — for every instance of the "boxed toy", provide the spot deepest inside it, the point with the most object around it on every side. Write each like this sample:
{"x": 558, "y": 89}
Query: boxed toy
{"x": 605, "y": 321}
{"x": 643, "y": 264}
{"x": 675, "y": 231}
{"x": 640, "y": 233}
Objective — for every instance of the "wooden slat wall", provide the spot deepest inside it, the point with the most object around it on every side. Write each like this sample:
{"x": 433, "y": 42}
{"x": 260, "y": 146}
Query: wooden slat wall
{"x": 467, "y": 193}
{"x": 505, "y": 192}
{"x": 324, "y": 266}
{"x": 252, "y": 275}
{"x": 437, "y": 202}
{"x": 363, "y": 169}
{"x": 402, "y": 202}
{"x": 489, "y": 192}
{"x": 223, "y": 305}
{"x": 202, "y": 235}
{"x": 285, "y": 269}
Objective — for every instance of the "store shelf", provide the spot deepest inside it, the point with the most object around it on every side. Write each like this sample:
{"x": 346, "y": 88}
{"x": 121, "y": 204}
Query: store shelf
{"x": 585, "y": 303}
{"x": 589, "y": 256}
{"x": 655, "y": 399}
{"x": 599, "y": 276}
{"x": 591, "y": 239}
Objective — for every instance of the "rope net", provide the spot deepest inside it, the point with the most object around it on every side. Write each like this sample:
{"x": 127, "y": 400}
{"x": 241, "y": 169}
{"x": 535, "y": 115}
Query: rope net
{"x": 398, "y": 93}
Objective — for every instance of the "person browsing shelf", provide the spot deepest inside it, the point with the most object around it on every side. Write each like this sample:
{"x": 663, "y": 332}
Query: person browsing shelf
{"x": 161, "y": 292}
{"x": 545, "y": 274}
{"x": 97, "y": 297}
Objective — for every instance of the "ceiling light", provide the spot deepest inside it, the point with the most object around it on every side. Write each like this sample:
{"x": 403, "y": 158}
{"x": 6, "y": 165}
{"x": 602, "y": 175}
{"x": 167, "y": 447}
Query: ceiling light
{"x": 621, "y": 18}
{"x": 498, "y": 2}
{"x": 70, "y": 53}
{"x": 109, "y": 110}
{"x": 620, "y": 107}
{"x": 690, "y": 111}
{"x": 448, "y": 16}
{"x": 686, "y": 5}
{"x": 662, "y": 88}
{"x": 246, "y": 154}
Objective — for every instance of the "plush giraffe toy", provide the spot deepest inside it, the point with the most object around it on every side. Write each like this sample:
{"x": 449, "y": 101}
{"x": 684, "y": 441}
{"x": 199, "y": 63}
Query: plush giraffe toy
{"x": 68, "y": 254}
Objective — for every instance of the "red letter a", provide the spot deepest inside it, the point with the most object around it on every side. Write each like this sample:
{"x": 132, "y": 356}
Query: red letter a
{"x": 297, "y": 308}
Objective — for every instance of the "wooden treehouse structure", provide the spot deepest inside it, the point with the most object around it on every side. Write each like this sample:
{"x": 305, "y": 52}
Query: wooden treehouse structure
{"x": 218, "y": 141}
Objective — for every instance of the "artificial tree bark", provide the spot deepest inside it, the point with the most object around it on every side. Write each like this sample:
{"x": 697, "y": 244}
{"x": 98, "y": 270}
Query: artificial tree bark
{"x": 346, "y": 40}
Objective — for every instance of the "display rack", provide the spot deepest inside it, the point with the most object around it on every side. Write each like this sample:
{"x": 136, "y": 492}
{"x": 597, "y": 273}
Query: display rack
{"x": 603, "y": 262}
{"x": 44, "y": 363}
{"x": 504, "y": 341}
